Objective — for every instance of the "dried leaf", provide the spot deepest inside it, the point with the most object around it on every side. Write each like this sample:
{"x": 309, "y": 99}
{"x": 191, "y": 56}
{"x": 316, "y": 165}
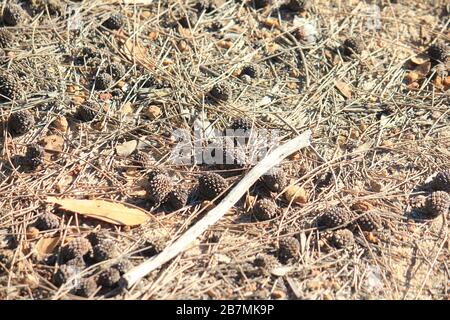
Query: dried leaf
{"x": 136, "y": 52}
{"x": 105, "y": 210}
{"x": 61, "y": 124}
{"x": 46, "y": 246}
{"x": 296, "y": 194}
{"x": 362, "y": 206}
{"x": 423, "y": 69}
{"x": 420, "y": 59}
{"x": 344, "y": 89}
{"x": 126, "y": 148}
{"x": 53, "y": 143}
{"x": 126, "y": 108}
{"x": 281, "y": 271}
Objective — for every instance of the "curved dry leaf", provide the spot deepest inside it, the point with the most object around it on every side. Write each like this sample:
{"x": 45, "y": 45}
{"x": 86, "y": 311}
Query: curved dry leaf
{"x": 126, "y": 148}
{"x": 46, "y": 246}
{"x": 420, "y": 59}
{"x": 105, "y": 210}
{"x": 296, "y": 194}
{"x": 344, "y": 89}
{"x": 136, "y": 52}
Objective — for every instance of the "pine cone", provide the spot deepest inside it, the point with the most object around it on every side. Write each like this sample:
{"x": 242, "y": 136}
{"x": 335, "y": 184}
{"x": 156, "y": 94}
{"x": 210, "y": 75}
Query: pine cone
{"x": 177, "y": 199}
{"x": 289, "y": 248}
{"x": 369, "y": 221}
{"x": 47, "y": 221}
{"x": 438, "y": 203}
{"x": 334, "y": 217}
{"x": 116, "y": 70}
{"x": 123, "y": 266}
{"x": 438, "y": 52}
{"x": 86, "y": 288}
{"x": 352, "y": 46}
{"x": 78, "y": 247}
{"x": 64, "y": 273}
{"x": 20, "y": 122}
{"x": 342, "y": 238}
{"x": 96, "y": 237}
{"x": 275, "y": 181}
{"x": 88, "y": 111}
{"x": 6, "y": 38}
{"x": 114, "y": 22}
{"x": 34, "y": 156}
{"x": 159, "y": 187}
{"x": 10, "y": 89}
{"x": 251, "y": 70}
{"x": 220, "y": 91}
{"x": 265, "y": 209}
{"x": 105, "y": 250}
{"x": 13, "y": 15}
{"x": 265, "y": 262}
{"x": 441, "y": 181}
{"x": 211, "y": 185}
{"x": 103, "y": 81}
{"x": 109, "y": 278}
{"x": 142, "y": 159}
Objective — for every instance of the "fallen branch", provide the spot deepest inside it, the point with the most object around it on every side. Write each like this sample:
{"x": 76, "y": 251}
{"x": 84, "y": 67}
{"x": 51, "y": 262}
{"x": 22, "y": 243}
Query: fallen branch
{"x": 271, "y": 160}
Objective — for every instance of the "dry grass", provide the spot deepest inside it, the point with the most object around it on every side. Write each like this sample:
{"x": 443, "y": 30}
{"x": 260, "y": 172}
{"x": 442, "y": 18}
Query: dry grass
{"x": 376, "y": 147}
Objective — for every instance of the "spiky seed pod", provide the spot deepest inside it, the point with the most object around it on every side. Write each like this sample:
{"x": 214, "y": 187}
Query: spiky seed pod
{"x": 188, "y": 20}
{"x": 441, "y": 181}
{"x": 86, "y": 288}
{"x": 298, "y": 5}
{"x": 275, "y": 181}
{"x": 352, "y": 46}
{"x": 78, "y": 247}
{"x": 334, "y": 217}
{"x": 9, "y": 87}
{"x": 123, "y": 266}
{"x": 63, "y": 274}
{"x": 438, "y": 52}
{"x": 116, "y": 70}
{"x": 220, "y": 91}
{"x": 159, "y": 186}
{"x": 438, "y": 203}
{"x": 20, "y": 122}
{"x": 13, "y": 15}
{"x": 103, "y": 81}
{"x": 114, "y": 22}
{"x": 34, "y": 155}
{"x": 109, "y": 278}
{"x": 289, "y": 248}
{"x": 96, "y": 237}
{"x": 342, "y": 238}
{"x": 142, "y": 159}
{"x": 265, "y": 209}
{"x": 77, "y": 263}
{"x": 250, "y": 70}
{"x": 211, "y": 185}
{"x": 88, "y": 111}
{"x": 47, "y": 221}
{"x": 105, "y": 250}
{"x": 6, "y": 38}
{"x": 177, "y": 199}
{"x": 369, "y": 221}
{"x": 154, "y": 246}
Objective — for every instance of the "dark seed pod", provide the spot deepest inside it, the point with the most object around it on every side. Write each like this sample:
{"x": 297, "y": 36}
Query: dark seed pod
{"x": 221, "y": 91}
{"x": 241, "y": 124}
{"x": 250, "y": 70}
{"x": 265, "y": 262}
{"x": 437, "y": 204}
{"x": 34, "y": 155}
{"x": 47, "y": 221}
{"x": 369, "y": 221}
{"x": 205, "y": 5}
{"x": 211, "y": 185}
{"x": 96, "y": 237}
{"x": 289, "y": 248}
{"x": 265, "y": 209}
{"x": 20, "y": 122}
{"x": 13, "y": 15}
{"x": 88, "y": 111}
{"x": 441, "y": 181}
{"x": 352, "y": 46}
{"x": 6, "y": 38}
{"x": 123, "y": 266}
{"x": 78, "y": 247}
{"x": 109, "y": 278}
{"x": 103, "y": 81}
{"x": 334, "y": 217}
{"x": 159, "y": 187}
{"x": 438, "y": 52}
{"x": 342, "y": 238}
{"x": 116, "y": 70}
{"x": 86, "y": 288}
{"x": 177, "y": 199}
{"x": 114, "y": 22}
{"x": 142, "y": 159}
{"x": 10, "y": 89}
{"x": 259, "y": 4}
{"x": 105, "y": 250}
{"x": 64, "y": 273}
{"x": 275, "y": 181}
